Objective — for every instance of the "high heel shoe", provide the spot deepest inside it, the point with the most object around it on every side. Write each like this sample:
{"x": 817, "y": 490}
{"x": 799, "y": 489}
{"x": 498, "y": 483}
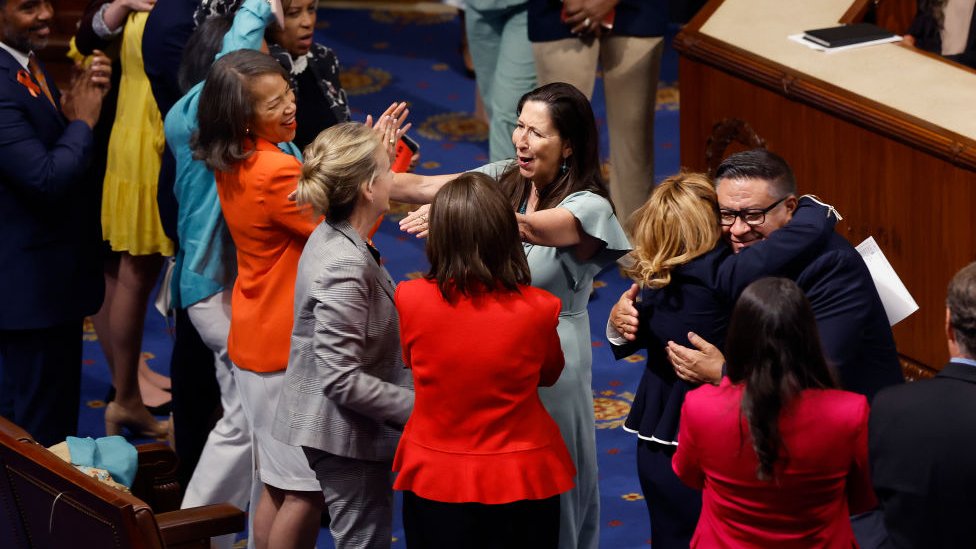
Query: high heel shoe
{"x": 138, "y": 425}
{"x": 163, "y": 409}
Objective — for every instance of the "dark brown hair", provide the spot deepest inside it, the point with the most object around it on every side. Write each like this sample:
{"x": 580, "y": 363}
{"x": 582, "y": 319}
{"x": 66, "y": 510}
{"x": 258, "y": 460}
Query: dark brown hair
{"x": 227, "y": 107}
{"x": 201, "y": 49}
{"x": 961, "y": 301}
{"x": 572, "y": 117}
{"x": 773, "y": 347}
{"x": 474, "y": 245}
{"x": 759, "y": 164}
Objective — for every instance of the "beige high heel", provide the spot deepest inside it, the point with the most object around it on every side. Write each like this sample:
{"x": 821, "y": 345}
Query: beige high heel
{"x": 138, "y": 425}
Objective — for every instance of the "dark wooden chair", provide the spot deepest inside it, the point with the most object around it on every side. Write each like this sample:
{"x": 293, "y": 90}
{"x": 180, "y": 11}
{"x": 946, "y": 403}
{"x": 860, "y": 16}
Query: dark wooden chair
{"x": 726, "y": 132}
{"x": 46, "y": 502}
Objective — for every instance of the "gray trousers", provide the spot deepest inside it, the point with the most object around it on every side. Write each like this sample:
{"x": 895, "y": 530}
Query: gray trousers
{"x": 359, "y": 496}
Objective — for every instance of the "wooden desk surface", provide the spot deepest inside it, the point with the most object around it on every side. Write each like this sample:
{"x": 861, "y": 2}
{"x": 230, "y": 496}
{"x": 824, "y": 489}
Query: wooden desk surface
{"x": 892, "y": 75}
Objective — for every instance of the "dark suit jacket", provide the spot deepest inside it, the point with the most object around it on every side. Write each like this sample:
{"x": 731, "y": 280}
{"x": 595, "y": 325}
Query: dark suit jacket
{"x": 853, "y": 325}
{"x": 922, "y": 445}
{"x": 50, "y": 270}
{"x": 168, "y": 27}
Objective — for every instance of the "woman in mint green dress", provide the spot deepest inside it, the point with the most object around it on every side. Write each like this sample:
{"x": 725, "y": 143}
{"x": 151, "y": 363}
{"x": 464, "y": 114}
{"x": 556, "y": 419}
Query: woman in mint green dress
{"x": 570, "y": 234}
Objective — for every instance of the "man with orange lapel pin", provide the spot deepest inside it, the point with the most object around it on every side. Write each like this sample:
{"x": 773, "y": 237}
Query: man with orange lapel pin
{"x": 50, "y": 277}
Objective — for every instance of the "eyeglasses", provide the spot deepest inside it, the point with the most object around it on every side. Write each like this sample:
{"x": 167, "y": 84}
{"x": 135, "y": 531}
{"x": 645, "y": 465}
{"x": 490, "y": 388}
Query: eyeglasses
{"x": 752, "y": 217}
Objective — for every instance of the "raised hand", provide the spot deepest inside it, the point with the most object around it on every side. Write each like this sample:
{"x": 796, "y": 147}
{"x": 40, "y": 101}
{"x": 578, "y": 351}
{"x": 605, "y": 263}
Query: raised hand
{"x": 118, "y": 11}
{"x": 389, "y": 125}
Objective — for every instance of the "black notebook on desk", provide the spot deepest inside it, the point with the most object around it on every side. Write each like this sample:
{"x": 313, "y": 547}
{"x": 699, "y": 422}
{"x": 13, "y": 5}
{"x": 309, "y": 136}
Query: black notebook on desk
{"x": 847, "y": 35}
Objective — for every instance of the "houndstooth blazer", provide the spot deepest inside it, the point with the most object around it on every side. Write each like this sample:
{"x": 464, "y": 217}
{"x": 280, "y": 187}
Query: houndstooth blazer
{"x": 346, "y": 390}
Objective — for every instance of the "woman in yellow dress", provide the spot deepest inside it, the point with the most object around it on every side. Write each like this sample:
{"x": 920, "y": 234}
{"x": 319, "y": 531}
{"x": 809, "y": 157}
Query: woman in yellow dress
{"x": 131, "y": 225}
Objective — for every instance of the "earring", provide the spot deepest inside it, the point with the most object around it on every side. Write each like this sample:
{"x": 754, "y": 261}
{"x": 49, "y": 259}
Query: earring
{"x": 564, "y": 168}
{"x": 247, "y": 131}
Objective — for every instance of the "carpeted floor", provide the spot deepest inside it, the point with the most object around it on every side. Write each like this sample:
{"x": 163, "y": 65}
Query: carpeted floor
{"x": 406, "y": 55}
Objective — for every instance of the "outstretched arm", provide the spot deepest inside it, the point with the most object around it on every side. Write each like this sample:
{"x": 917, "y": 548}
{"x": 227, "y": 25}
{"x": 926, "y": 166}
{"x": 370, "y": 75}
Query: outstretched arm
{"x": 559, "y": 228}
{"x": 417, "y": 189}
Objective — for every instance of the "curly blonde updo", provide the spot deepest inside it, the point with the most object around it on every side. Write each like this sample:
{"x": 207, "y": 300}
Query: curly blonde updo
{"x": 340, "y": 160}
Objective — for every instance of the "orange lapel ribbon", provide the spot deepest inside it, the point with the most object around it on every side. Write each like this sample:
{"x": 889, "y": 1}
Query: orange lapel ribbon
{"x": 25, "y": 80}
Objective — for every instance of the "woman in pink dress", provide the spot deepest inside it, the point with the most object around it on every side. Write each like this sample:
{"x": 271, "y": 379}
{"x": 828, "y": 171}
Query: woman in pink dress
{"x": 780, "y": 454}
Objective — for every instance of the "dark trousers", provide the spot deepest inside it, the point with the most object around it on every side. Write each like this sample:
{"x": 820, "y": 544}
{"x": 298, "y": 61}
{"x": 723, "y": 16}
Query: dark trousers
{"x": 673, "y": 507}
{"x": 40, "y": 381}
{"x": 196, "y": 396}
{"x": 528, "y": 524}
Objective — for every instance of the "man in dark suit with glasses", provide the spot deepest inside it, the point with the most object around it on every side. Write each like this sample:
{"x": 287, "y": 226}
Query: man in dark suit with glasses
{"x": 757, "y": 196}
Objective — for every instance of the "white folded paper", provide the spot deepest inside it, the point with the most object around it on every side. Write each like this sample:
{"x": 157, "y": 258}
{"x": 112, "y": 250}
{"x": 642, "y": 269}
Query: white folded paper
{"x": 799, "y": 39}
{"x": 898, "y": 303}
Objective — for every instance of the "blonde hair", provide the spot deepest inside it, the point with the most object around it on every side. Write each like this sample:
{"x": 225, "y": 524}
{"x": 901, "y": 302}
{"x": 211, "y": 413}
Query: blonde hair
{"x": 678, "y": 223}
{"x": 340, "y": 160}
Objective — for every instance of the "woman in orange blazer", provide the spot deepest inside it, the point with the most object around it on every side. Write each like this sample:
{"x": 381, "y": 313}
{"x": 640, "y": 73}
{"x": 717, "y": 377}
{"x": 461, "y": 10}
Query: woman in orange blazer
{"x": 480, "y": 458}
{"x": 247, "y": 121}
{"x": 781, "y": 456}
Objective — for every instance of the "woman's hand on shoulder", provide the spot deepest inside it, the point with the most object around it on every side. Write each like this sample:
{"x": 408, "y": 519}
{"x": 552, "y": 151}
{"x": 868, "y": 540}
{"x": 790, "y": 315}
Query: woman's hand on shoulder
{"x": 416, "y": 222}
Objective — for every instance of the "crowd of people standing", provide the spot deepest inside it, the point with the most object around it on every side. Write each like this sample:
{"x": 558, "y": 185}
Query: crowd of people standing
{"x": 765, "y": 335}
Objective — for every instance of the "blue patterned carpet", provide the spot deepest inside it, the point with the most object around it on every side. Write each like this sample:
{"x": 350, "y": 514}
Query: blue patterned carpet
{"x": 408, "y": 56}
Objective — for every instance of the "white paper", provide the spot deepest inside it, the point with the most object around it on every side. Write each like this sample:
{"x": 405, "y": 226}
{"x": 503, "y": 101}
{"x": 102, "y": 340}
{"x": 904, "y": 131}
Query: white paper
{"x": 898, "y": 303}
{"x": 799, "y": 39}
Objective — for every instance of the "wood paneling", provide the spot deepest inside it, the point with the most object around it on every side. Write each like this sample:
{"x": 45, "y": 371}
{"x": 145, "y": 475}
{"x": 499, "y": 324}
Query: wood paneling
{"x": 910, "y": 185}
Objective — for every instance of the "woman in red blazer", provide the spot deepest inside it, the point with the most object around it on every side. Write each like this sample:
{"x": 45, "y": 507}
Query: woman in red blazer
{"x": 480, "y": 458}
{"x": 781, "y": 456}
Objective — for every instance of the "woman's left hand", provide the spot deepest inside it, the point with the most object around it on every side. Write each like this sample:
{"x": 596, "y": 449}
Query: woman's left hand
{"x": 389, "y": 126}
{"x": 415, "y": 222}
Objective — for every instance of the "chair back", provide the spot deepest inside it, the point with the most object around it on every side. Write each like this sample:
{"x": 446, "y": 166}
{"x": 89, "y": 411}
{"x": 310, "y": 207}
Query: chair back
{"x": 46, "y": 502}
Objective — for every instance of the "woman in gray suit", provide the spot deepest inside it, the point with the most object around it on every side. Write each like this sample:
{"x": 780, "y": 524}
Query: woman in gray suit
{"x": 347, "y": 393}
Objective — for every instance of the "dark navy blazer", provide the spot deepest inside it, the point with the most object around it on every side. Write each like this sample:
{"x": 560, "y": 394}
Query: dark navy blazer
{"x": 50, "y": 268}
{"x": 853, "y": 326}
{"x": 699, "y": 299}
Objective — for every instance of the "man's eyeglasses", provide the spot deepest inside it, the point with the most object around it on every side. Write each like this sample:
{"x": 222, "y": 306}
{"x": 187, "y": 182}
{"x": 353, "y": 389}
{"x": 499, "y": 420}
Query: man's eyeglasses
{"x": 753, "y": 217}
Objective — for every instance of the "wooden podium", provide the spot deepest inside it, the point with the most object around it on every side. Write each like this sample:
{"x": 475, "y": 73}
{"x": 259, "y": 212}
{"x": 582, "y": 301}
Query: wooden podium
{"x": 885, "y": 133}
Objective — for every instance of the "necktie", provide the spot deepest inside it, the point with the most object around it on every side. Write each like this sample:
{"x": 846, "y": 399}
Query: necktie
{"x": 38, "y": 75}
